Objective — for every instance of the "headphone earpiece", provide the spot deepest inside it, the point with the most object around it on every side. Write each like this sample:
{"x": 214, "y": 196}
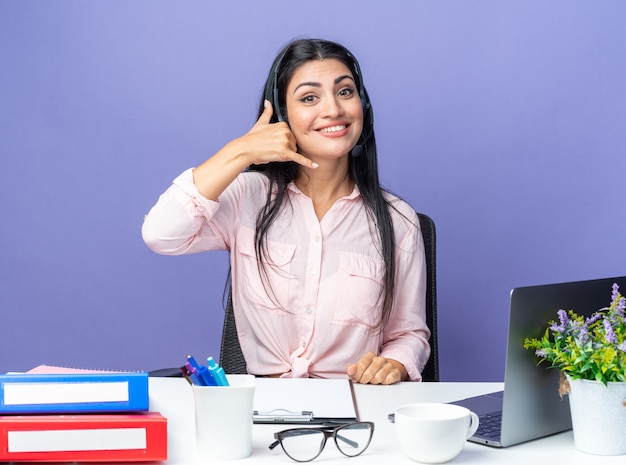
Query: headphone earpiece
{"x": 271, "y": 88}
{"x": 368, "y": 115}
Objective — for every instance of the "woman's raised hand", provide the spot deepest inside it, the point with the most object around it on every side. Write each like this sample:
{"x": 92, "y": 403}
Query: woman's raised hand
{"x": 270, "y": 142}
{"x": 265, "y": 142}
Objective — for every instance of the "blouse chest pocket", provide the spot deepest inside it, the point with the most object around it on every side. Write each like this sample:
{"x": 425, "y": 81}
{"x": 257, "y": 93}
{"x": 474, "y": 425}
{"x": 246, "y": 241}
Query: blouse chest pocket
{"x": 359, "y": 293}
{"x": 265, "y": 284}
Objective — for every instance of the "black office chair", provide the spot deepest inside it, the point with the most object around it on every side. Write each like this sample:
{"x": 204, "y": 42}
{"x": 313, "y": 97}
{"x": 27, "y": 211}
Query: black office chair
{"x": 231, "y": 358}
{"x": 431, "y": 370}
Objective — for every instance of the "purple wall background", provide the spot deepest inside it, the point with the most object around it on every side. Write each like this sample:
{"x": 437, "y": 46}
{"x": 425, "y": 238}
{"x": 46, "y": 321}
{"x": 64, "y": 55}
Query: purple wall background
{"x": 504, "y": 121}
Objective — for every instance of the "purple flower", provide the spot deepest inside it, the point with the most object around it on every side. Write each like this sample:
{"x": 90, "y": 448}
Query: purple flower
{"x": 583, "y": 335}
{"x": 615, "y": 293}
{"x": 542, "y": 353}
{"x": 618, "y": 301}
{"x": 593, "y": 318}
{"x": 556, "y": 328}
{"x": 622, "y": 346}
{"x": 564, "y": 322}
{"x": 609, "y": 334}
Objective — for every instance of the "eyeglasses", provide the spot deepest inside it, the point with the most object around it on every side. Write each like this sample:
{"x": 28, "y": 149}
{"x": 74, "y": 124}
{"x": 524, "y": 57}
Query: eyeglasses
{"x": 306, "y": 444}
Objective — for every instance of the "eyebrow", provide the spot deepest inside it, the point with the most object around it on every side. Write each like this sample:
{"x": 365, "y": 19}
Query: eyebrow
{"x": 317, "y": 84}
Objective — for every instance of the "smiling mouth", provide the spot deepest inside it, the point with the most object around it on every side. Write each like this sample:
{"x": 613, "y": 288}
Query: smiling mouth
{"x": 332, "y": 129}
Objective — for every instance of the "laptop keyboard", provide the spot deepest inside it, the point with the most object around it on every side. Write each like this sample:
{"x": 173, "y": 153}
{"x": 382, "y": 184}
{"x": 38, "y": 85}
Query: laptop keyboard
{"x": 489, "y": 426}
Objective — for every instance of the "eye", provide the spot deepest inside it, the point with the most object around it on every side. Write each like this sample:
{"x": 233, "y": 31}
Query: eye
{"x": 346, "y": 92}
{"x": 309, "y": 98}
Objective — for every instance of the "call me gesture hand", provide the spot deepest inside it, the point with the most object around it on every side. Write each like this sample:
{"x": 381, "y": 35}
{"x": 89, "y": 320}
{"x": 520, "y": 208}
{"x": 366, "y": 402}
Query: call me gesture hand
{"x": 272, "y": 141}
{"x": 265, "y": 142}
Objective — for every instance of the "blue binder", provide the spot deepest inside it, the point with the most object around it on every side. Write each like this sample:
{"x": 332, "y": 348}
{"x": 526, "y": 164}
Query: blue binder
{"x": 73, "y": 393}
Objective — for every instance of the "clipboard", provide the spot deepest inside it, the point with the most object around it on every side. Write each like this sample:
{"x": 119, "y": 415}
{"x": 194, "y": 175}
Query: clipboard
{"x": 304, "y": 401}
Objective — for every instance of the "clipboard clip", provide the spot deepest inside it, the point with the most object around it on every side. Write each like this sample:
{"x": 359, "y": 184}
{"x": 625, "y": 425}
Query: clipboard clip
{"x": 281, "y": 415}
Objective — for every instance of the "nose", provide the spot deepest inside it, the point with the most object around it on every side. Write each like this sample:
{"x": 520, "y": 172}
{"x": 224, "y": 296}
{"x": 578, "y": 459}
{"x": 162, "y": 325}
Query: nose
{"x": 332, "y": 107}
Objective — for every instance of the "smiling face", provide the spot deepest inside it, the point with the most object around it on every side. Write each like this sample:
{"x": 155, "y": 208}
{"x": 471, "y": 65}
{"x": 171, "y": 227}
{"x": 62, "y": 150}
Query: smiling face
{"x": 324, "y": 109}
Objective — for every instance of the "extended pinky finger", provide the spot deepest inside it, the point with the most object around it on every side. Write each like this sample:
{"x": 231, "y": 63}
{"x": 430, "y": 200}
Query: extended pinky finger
{"x": 304, "y": 161}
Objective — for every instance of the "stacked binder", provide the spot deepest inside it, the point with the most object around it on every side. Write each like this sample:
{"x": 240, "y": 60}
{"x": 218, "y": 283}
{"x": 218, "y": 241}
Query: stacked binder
{"x": 79, "y": 417}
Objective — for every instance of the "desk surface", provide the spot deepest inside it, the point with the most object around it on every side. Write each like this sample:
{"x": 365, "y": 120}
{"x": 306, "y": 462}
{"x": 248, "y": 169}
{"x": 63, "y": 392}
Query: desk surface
{"x": 173, "y": 398}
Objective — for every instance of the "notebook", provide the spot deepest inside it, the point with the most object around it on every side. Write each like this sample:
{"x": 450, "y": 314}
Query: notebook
{"x": 530, "y": 407}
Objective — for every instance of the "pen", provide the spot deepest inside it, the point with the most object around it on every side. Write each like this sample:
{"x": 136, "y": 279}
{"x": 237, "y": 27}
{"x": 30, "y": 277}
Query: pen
{"x": 193, "y": 374}
{"x": 217, "y": 372}
{"x": 186, "y": 374}
{"x": 192, "y": 361}
{"x": 206, "y": 376}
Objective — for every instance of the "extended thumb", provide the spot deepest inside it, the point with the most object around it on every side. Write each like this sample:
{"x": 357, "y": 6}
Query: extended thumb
{"x": 268, "y": 111}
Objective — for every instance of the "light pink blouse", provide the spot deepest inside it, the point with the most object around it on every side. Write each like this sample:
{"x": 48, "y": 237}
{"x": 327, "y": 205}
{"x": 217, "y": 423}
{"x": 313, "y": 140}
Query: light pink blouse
{"x": 317, "y": 309}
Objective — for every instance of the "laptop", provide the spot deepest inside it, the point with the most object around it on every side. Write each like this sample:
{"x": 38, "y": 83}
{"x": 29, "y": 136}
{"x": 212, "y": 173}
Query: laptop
{"x": 530, "y": 407}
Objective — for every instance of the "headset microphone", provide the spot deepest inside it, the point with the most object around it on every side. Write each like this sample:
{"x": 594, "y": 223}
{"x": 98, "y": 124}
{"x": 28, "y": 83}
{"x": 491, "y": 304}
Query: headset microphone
{"x": 357, "y": 150}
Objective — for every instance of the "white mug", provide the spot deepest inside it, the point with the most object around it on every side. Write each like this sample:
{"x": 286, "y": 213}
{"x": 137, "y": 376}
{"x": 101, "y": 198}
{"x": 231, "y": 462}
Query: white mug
{"x": 434, "y": 432}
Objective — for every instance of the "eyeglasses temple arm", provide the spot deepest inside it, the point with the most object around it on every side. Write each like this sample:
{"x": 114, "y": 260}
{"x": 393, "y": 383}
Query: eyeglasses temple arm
{"x": 274, "y": 444}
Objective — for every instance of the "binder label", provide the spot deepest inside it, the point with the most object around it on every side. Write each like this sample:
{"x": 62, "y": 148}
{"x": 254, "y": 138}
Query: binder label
{"x": 77, "y": 440}
{"x": 64, "y": 393}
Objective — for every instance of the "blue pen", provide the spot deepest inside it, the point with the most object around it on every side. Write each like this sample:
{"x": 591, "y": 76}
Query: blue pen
{"x": 193, "y": 374}
{"x": 218, "y": 372}
{"x": 206, "y": 376}
{"x": 192, "y": 361}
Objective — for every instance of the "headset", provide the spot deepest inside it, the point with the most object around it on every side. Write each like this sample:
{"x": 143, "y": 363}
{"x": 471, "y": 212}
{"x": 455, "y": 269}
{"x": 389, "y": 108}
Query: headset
{"x": 271, "y": 94}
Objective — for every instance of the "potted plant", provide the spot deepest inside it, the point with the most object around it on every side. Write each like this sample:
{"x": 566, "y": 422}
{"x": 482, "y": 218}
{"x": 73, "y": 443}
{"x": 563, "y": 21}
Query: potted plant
{"x": 591, "y": 356}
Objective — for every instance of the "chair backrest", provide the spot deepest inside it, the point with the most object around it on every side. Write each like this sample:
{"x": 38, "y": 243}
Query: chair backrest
{"x": 231, "y": 358}
{"x": 431, "y": 370}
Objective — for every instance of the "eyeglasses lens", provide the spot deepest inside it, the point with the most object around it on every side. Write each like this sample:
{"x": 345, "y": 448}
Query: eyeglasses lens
{"x": 302, "y": 444}
{"x": 354, "y": 438}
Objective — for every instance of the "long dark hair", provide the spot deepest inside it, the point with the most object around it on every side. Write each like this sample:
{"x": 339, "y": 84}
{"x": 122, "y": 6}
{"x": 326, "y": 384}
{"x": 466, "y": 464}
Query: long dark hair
{"x": 363, "y": 168}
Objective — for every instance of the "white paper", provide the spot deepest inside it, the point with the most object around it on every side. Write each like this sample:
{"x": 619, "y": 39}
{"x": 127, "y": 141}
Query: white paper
{"x": 326, "y": 398}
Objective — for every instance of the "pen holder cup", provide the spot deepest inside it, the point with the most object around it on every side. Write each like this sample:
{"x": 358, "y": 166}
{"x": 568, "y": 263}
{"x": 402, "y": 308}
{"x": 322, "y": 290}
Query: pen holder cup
{"x": 224, "y": 419}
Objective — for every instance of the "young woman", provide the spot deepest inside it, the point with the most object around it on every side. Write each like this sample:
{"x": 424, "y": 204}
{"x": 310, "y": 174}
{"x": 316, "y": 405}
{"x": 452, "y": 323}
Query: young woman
{"x": 328, "y": 271}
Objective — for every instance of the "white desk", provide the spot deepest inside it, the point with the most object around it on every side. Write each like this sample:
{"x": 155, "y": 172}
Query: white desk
{"x": 173, "y": 398}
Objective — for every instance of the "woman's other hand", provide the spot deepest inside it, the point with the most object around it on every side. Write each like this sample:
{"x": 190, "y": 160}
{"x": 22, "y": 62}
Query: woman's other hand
{"x": 374, "y": 369}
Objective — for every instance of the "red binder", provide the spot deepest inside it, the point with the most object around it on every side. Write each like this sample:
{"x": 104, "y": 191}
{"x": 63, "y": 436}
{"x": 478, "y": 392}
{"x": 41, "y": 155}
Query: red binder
{"x": 84, "y": 437}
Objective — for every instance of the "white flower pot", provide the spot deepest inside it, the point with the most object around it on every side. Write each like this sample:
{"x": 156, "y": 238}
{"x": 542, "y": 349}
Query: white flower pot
{"x": 598, "y": 416}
